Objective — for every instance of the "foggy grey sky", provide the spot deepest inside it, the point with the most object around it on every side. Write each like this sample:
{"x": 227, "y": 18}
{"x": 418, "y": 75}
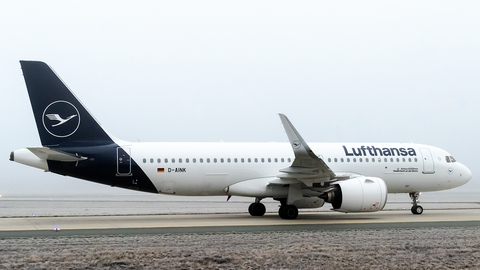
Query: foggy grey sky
{"x": 346, "y": 71}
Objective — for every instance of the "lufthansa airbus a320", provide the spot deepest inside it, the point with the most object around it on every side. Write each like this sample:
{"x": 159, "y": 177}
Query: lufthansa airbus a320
{"x": 352, "y": 177}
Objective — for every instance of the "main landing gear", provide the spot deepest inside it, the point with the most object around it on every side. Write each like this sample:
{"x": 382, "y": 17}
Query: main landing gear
{"x": 416, "y": 209}
{"x": 257, "y": 209}
{"x": 288, "y": 211}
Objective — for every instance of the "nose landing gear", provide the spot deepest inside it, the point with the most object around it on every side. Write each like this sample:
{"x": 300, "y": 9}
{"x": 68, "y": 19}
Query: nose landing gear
{"x": 416, "y": 209}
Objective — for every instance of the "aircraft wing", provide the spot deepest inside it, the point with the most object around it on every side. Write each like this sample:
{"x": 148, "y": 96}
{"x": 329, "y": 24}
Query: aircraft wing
{"x": 51, "y": 154}
{"x": 307, "y": 168}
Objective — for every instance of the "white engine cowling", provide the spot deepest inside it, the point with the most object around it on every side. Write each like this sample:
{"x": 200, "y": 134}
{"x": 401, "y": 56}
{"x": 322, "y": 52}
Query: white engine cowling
{"x": 361, "y": 194}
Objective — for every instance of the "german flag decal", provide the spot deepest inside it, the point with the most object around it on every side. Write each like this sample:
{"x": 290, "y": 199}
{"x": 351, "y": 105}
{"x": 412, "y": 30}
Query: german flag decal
{"x": 160, "y": 170}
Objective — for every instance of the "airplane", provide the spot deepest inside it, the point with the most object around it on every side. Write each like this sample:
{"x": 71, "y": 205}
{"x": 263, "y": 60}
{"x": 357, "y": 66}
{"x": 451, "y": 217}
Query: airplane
{"x": 352, "y": 177}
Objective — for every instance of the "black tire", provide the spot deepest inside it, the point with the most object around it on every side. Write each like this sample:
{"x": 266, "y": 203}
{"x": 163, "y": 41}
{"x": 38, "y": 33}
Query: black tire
{"x": 417, "y": 210}
{"x": 250, "y": 209}
{"x": 281, "y": 211}
{"x": 288, "y": 212}
{"x": 257, "y": 209}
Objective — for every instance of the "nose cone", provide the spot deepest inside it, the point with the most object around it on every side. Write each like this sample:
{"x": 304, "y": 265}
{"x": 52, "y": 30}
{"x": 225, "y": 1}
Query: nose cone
{"x": 465, "y": 174}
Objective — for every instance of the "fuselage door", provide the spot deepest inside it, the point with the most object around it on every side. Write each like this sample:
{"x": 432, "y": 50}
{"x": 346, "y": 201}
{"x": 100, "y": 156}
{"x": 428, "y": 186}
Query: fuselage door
{"x": 428, "y": 166}
{"x": 124, "y": 161}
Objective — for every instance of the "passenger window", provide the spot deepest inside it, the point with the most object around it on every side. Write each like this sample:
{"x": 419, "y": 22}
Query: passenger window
{"x": 166, "y": 160}
{"x": 398, "y": 160}
{"x": 179, "y": 160}
{"x": 151, "y": 160}
{"x": 194, "y": 160}
{"x": 269, "y": 160}
{"x": 415, "y": 159}
{"x": 187, "y": 160}
{"x": 215, "y": 160}
{"x": 173, "y": 160}
{"x": 276, "y": 160}
{"x": 229, "y": 160}
{"x": 201, "y": 160}
{"x": 159, "y": 160}
{"x": 282, "y": 160}
{"x": 208, "y": 160}
{"x": 243, "y": 160}
{"x": 289, "y": 160}
{"x": 386, "y": 160}
{"x": 256, "y": 160}
{"x": 348, "y": 159}
{"x": 263, "y": 160}
{"x": 391, "y": 159}
{"x": 249, "y": 160}
{"x": 379, "y": 159}
{"x": 354, "y": 160}
{"x": 366, "y": 159}
{"x": 403, "y": 159}
{"x": 329, "y": 160}
{"x": 144, "y": 160}
{"x": 373, "y": 159}
{"x": 222, "y": 160}
{"x": 335, "y": 159}
{"x": 341, "y": 160}
{"x": 409, "y": 159}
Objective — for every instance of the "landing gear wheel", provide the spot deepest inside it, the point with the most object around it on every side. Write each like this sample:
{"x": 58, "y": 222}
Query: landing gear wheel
{"x": 288, "y": 212}
{"x": 417, "y": 210}
{"x": 257, "y": 209}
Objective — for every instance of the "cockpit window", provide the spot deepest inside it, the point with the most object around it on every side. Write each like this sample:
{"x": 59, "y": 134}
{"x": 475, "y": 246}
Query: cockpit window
{"x": 450, "y": 159}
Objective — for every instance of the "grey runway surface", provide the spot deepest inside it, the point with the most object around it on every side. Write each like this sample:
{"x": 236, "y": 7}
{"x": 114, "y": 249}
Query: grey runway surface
{"x": 157, "y": 204}
{"x": 210, "y": 223}
{"x": 208, "y": 233}
{"x": 24, "y": 216}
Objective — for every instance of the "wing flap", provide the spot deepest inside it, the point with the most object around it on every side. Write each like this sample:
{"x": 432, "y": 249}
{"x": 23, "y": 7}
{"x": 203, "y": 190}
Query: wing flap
{"x": 284, "y": 181}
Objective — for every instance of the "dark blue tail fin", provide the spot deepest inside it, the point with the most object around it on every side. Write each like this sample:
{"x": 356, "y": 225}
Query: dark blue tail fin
{"x": 61, "y": 118}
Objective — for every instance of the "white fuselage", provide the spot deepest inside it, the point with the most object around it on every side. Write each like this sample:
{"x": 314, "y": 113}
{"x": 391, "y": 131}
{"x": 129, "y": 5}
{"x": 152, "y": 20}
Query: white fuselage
{"x": 209, "y": 168}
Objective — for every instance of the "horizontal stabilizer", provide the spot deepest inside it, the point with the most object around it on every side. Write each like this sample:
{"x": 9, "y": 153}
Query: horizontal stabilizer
{"x": 50, "y": 154}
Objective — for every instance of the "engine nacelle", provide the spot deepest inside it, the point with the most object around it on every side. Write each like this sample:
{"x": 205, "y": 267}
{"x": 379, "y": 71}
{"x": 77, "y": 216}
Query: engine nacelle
{"x": 361, "y": 194}
{"x": 312, "y": 202}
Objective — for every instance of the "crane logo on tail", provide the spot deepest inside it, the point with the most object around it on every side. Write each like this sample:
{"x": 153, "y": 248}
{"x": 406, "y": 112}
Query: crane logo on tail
{"x": 296, "y": 144}
{"x": 61, "y": 118}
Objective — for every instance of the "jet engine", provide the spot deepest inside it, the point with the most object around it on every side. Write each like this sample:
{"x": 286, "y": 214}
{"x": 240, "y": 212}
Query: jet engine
{"x": 361, "y": 194}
